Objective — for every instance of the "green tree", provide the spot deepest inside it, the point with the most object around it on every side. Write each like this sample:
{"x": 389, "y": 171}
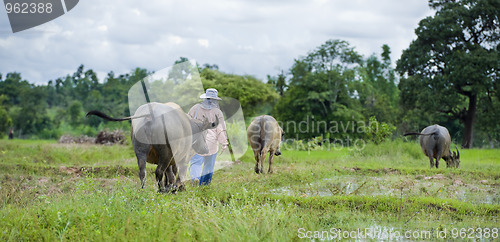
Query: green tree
{"x": 377, "y": 88}
{"x": 454, "y": 62}
{"x": 254, "y": 96}
{"x": 321, "y": 88}
{"x": 75, "y": 112}
{"x": 32, "y": 117}
{"x": 278, "y": 82}
{"x": 5, "y": 119}
{"x": 12, "y": 87}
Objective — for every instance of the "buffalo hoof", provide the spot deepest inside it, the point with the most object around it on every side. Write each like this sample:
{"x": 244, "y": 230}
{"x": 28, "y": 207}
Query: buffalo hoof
{"x": 169, "y": 189}
{"x": 181, "y": 188}
{"x": 257, "y": 170}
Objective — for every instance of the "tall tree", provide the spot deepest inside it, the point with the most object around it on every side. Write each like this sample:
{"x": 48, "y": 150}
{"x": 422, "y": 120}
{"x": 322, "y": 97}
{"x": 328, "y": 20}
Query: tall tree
{"x": 254, "y": 96}
{"x": 377, "y": 88}
{"x": 5, "y": 119}
{"x": 278, "y": 82}
{"x": 321, "y": 88}
{"x": 453, "y": 63}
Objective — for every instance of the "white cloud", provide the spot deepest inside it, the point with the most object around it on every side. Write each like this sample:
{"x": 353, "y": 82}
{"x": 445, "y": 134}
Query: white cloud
{"x": 175, "y": 39}
{"x": 242, "y": 37}
{"x": 203, "y": 42}
{"x": 103, "y": 28}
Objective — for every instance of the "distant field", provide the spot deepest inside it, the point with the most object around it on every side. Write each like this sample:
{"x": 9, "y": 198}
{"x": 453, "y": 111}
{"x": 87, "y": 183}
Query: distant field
{"x": 51, "y": 191}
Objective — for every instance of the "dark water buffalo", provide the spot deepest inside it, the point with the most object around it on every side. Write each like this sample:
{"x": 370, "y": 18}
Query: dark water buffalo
{"x": 435, "y": 142}
{"x": 264, "y": 135}
{"x": 164, "y": 135}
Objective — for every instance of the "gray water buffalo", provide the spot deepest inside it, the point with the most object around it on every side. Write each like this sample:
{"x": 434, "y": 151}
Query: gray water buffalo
{"x": 264, "y": 135}
{"x": 164, "y": 135}
{"x": 435, "y": 142}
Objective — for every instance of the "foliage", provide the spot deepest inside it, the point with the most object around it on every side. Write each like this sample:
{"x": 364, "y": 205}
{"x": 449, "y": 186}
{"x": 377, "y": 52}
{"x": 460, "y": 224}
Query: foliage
{"x": 377, "y": 88}
{"x": 334, "y": 85}
{"x": 452, "y": 66}
{"x": 319, "y": 87}
{"x": 278, "y": 82}
{"x": 377, "y": 132}
{"x": 5, "y": 119}
{"x": 59, "y": 107}
{"x": 253, "y": 95}
{"x": 303, "y": 145}
{"x": 237, "y": 136}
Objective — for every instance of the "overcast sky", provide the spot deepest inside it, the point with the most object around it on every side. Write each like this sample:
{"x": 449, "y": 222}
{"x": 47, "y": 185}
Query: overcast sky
{"x": 242, "y": 37}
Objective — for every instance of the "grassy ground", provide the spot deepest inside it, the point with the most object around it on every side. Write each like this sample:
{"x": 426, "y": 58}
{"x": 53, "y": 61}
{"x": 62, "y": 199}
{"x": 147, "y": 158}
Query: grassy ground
{"x": 50, "y": 191}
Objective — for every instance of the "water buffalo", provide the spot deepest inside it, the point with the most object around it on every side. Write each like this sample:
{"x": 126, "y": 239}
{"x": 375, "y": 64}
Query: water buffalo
{"x": 264, "y": 135}
{"x": 163, "y": 134}
{"x": 435, "y": 142}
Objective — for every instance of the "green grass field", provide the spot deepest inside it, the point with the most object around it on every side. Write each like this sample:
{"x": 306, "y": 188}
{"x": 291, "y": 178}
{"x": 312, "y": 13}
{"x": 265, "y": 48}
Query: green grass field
{"x": 52, "y": 191}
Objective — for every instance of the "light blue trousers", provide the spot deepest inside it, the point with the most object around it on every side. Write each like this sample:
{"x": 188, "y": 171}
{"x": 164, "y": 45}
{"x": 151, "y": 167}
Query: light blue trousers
{"x": 208, "y": 164}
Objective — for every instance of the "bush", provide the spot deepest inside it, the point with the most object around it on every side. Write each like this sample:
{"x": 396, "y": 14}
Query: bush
{"x": 303, "y": 145}
{"x": 377, "y": 132}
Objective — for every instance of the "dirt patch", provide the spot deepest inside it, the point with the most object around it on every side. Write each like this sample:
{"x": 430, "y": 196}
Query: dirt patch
{"x": 391, "y": 171}
{"x": 104, "y": 137}
{"x": 68, "y": 139}
{"x": 435, "y": 177}
{"x": 110, "y": 137}
{"x": 354, "y": 169}
{"x": 458, "y": 182}
{"x": 70, "y": 170}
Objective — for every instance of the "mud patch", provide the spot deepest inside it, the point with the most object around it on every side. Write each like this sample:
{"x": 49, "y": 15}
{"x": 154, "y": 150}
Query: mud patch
{"x": 435, "y": 177}
{"x": 70, "y": 170}
{"x": 437, "y": 186}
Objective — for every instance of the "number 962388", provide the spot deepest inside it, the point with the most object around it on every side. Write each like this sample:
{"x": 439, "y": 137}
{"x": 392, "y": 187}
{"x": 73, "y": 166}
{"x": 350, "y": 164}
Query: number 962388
{"x": 28, "y": 8}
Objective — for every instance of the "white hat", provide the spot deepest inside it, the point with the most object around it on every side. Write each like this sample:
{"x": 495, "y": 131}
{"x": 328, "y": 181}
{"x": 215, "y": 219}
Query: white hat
{"x": 211, "y": 93}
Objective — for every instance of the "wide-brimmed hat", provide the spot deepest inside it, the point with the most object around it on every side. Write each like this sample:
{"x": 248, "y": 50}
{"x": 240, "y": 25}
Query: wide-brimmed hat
{"x": 211, "y": 93}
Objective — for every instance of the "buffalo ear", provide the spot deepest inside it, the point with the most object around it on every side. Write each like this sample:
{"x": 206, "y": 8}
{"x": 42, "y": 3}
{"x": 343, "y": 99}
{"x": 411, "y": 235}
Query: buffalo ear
{"x": 454, "y": 154}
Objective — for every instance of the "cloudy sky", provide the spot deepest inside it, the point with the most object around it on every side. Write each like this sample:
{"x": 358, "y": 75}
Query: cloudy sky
{"x": 254, "y": 37}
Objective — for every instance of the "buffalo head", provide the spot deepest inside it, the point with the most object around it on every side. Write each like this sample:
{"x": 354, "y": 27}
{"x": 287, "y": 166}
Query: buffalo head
{"x": 456, "y": 158}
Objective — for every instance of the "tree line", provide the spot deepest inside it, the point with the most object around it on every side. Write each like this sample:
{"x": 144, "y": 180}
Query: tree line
{"x": 448, "y": 75}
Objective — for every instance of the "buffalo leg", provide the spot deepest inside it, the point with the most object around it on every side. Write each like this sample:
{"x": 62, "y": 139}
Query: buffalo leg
{"x": 181, "y": 169}
{"x": 169, "y": 179}
{"x": 160, "y": 170}
{"x": 262, "y": 159}
{"x": 257, "y": 158}
{"x": 142, "y": 171}
{"x": 170, "y": 176}
{"x": 141, "y": 151}
{"x": 437, "y": 161}
{"x": 429, "y": 153}
{"x": 176, "y": 180}
{"x": 162, "y": 166}
{"x": 438, "y": 158}
{"x": 271, "y": 156}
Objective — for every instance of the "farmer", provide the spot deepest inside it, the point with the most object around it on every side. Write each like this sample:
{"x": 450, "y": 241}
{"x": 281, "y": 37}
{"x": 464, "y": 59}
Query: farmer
{"x": 208, "y": 108}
